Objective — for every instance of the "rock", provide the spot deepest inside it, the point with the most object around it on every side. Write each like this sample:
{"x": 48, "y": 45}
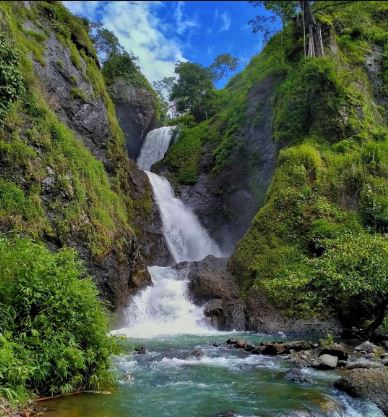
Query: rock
{"x": 241, "y": 344}
{"x": 384, "y": 344}
{"x": 216, "y": 344}
{"x": 326, "y": 362}
{"x": 231, "y": 341}
{"x": 273, "y": 349}
{"x": 336, "y": 349}
{"x": 141, "y": 350}
{"x": 197, "y": 353}
{"x": 136, "y": 112}
{"x": 297, "y": 346}
{"x": 228, "y": 413}
{"x": 209, "y": 279}
{"x": 369, "y": 384}
{"x": 363, "y": 364}
{"x": 250, "y": 348}
{"x": 298, "y": 377}
{"x": 367, "y": 347}
{"x": 341, "y": 363}
{"x": 226, "y": 314}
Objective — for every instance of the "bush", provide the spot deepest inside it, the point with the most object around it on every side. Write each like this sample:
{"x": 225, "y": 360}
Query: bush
{"x": 11, "y": 80}
{"x": 53, "y": 328}
{"x": 352, "y": 277}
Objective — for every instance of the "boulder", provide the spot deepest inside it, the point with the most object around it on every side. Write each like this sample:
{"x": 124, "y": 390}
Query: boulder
{"x": 369, "y": 384}
{"x": 326, "y": 362}
{"x": 367, "y": 347}
{"x": 363, "y": 364}
{"x": 297, "y": 346}
{"x": 298, "y": 377}
{"x": 241, "y": 344}
{"x": 336, "y": 349}
{"x": 209, "y": 279}
{"x": 273, "y": 349}
{"x": 226, "y": 314}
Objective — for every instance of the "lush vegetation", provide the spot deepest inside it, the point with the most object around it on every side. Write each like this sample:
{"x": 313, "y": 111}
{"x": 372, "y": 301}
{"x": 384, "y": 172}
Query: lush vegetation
{"x": 331, "y": 178}
{"x": 53, "y": 329}
{"x": 54, "y": 189}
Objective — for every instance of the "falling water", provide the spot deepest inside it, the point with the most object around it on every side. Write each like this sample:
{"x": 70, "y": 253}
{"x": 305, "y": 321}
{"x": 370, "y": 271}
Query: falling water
{"x": 164, "y": 307}
{"x": 154, "y": 147}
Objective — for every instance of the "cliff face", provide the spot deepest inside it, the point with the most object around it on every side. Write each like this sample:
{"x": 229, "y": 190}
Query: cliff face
{"x": 75, "y": 184}
{"x": 136, "y": 112}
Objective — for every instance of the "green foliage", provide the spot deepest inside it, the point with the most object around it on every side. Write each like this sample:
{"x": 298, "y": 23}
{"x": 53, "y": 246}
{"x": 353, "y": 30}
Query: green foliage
{"x": 183, "y": 156}
{"x": 352, "y": 277}
{"x": 11, "y": 81}
{"x": 193, "y": 91}
{"x": 222, "y": 65}
{"x": 54, "y": 340}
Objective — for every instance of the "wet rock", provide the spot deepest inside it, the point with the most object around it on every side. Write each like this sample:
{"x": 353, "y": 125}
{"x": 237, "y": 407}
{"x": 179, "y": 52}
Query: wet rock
{"x": 197, "y": 353}
{"x": 297, "y": 346}
{"x": 240, "y": 344}
{"x": 336, "y": 349}
{"x": 367, "y": 347}
{"x": 326, "y": 362}
{"x": 369, "y": 384}
{"x": 363, "y": 364}
{"x": 297, "y": 377}
{"x": 341, "y": 363}
{"x": 209, "y": 279}
{"x": 250, "y": 348}
{"x": 231, "y": 341}
{"x": 141, "y": 350}
{"x": 228, "y": 413}
{"x": 274, "y": 349}
{"x": 226, "y": 314}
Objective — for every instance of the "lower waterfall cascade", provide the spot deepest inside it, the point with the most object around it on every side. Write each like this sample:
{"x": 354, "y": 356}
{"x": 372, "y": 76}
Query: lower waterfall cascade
{"x": 164, "y": 308}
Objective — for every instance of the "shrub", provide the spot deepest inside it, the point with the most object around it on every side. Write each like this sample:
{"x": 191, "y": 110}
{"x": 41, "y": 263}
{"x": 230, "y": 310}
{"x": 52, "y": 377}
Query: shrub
{"x": 53, "y": 336}
{"x": 11, "y": 80}
{"x": 352, "y": 277}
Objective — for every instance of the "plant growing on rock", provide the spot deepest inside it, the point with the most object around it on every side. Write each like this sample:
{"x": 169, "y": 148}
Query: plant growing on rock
{"x": 11, "y": 80}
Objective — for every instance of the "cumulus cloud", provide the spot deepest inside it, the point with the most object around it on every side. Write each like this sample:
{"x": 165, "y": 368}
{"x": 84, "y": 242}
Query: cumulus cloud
{"x": 139, "y": 29}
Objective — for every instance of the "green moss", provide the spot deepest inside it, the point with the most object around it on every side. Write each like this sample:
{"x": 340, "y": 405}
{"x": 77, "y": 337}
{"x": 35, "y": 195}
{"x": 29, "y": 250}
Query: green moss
{"x": 183, "y": 156}
{"x": 76, "y": 92}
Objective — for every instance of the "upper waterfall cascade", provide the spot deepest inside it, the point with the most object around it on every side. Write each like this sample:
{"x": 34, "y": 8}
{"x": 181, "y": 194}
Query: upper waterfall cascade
{"x": 154, "y": 147}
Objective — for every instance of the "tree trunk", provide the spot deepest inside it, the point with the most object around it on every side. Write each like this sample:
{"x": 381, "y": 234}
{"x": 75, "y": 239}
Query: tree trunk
{"x": 314, "y": 35}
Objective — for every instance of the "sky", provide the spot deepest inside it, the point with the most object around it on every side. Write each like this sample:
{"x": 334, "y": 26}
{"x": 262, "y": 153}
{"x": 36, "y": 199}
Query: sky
{"x": 162, "y": 33}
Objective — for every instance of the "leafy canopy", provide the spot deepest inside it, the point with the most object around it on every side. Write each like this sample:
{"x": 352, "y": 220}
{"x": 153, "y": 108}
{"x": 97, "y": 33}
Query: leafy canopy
{"x": 193, "y": 90}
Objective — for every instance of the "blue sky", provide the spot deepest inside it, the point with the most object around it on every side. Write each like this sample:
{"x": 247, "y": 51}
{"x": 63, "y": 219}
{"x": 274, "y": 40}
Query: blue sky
{"x": 162, "y": 33}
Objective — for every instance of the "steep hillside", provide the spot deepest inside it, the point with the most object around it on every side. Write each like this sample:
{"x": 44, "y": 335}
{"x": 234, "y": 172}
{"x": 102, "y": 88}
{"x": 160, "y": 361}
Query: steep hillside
{"x": 66, "y": 178}
{"x": 320, "y": 126}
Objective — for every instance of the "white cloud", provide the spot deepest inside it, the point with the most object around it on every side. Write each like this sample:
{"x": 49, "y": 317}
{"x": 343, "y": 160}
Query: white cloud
{"x": 140, "y": 30}
{"x": 224, "y": 19}
{"x": 182, "y": 22}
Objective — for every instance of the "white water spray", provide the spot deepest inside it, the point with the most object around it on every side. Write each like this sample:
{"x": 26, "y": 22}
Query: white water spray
{"x": 154, "y": 147}
{"x": 164, "y": 309}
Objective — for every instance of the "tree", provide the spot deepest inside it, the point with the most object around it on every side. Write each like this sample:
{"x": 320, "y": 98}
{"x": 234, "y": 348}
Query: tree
{"x": 287, "y": 10}
{"x": 352, "y": 277}
{"x": 222, "y": 64}
{"x": 193, "y": 90}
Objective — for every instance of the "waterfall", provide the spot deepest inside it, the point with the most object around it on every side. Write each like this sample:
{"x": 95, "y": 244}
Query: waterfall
{"x": 164, "y": 307}
{"x": 186, "y": 238}
{"x": 154, "y": 147}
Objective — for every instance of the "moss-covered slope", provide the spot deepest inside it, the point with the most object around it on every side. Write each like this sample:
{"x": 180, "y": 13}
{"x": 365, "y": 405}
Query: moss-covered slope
{"x": 65, "y": 176}
{"x": 330, "y": 187}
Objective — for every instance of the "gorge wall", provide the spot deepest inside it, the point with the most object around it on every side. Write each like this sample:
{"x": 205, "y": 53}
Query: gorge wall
{"x": 66, "y": 179}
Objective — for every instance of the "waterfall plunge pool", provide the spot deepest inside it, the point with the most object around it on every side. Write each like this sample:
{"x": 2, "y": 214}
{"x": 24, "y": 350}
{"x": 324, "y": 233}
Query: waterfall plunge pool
{"x": 170, "y": 381}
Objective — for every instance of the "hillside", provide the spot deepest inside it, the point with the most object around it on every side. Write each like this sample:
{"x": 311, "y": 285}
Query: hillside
{"x": 300, "y": 146}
